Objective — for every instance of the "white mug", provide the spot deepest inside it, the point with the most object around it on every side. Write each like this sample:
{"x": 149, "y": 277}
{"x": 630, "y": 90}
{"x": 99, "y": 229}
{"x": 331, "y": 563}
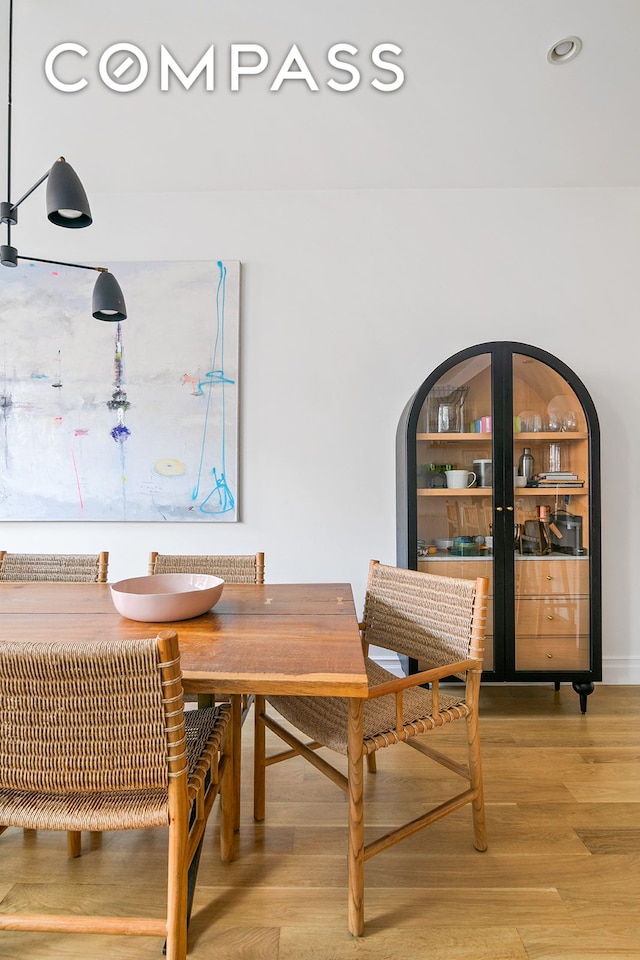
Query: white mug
{"x": 459, "y": 479}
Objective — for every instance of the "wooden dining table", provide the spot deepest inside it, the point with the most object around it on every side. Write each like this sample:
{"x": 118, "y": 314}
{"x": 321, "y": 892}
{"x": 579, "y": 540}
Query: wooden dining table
{"x": 288, "y": 639}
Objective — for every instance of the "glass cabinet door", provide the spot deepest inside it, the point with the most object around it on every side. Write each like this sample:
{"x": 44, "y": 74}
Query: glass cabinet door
{"x": 551, "y": 520}
{"x": 454, "y": 477}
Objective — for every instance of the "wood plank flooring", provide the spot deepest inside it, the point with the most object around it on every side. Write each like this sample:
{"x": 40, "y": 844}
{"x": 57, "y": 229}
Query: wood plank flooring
{"x": 560, "y": 880}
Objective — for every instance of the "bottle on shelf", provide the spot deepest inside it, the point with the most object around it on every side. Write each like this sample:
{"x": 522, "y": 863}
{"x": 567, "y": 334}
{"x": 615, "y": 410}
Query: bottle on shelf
{"x": 525, "y": 464}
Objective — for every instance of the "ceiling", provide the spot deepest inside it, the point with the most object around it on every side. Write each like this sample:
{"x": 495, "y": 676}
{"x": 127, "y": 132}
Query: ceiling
{"x": 481, "y": 107}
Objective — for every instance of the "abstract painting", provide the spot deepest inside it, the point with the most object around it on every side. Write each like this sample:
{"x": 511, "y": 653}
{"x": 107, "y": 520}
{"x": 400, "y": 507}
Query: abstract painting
{"x": 135, "y": 420}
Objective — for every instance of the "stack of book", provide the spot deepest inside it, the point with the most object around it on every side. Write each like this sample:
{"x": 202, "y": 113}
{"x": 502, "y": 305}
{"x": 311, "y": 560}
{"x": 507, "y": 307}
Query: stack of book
{"x": 557, "y": 478}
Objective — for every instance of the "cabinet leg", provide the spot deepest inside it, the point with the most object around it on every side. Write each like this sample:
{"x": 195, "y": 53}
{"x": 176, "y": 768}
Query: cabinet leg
{"x": 556, "y": 685}
{"x": 583, "y": 690}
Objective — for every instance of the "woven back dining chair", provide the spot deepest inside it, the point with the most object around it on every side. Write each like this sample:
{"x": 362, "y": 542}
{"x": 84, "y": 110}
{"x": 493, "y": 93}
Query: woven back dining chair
{"x": 56, "y": 568}
{"x": 233, "y": 568}
{"x": 106, "y": 745}
{"x": 71, "y": 567}
{"x": 439, "y": 621}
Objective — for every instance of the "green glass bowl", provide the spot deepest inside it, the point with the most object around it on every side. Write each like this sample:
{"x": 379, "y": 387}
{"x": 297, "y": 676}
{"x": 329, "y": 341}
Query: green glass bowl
{"x": 465, "y": 547}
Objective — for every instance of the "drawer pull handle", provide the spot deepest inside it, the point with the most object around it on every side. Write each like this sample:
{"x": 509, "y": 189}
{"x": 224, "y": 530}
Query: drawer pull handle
{"x": 498, "y": 509}
{"x": 549, "y": 577}
{"x": 549, "y": 617}
{"x": 549, "y": 656}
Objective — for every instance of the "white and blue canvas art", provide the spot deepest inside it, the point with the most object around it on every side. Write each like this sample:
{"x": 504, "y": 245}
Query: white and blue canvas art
{"x": 135, "y": 420}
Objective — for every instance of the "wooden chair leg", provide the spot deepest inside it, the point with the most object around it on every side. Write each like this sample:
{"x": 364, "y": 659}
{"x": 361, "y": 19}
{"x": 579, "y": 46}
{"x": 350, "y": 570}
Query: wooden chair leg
{"x": 74, "y": 843}
{"x": 227, "y": 809}
{"x": 355, "y": 854}
{"x": 247, "y": 703}
{"x": 475, "y": 770}
{"x": 259, "y": 767}
{"x": 236, "y": 723}
{"x": 177, "y": 891}
{"x": 371, "y": 763}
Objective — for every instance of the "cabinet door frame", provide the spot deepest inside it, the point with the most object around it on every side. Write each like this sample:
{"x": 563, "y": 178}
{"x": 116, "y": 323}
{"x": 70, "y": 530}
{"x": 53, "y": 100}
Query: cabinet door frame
{"x": 501, "y": 354}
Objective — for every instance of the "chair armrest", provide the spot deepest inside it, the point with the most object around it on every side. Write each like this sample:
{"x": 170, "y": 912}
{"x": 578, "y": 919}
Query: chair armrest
{"x": 417, "y": 679}
{"x": 363, "y": 638}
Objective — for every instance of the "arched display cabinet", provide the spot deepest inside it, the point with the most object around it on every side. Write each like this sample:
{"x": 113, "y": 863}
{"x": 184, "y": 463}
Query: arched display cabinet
{"x": 536, "y": 538}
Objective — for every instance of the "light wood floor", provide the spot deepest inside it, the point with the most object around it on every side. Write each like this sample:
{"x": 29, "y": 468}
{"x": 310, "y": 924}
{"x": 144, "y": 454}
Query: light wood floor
{"x": 560, "y": 880}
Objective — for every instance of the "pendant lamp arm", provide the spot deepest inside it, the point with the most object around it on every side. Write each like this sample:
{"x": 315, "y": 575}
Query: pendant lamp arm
{"x": 61, "y": 263}
{"x": 31, "y": 190}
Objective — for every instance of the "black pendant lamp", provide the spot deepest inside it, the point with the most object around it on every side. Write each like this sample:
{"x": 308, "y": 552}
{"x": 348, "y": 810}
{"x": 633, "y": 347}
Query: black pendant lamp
{"x": 108, "y": 301}
{"x": 67, "y": 206}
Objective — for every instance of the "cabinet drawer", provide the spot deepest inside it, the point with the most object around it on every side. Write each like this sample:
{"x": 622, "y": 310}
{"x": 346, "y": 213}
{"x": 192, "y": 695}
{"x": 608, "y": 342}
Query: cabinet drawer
{"x": 559, "y": 616}
{"x": 466, "y": 569}
{"x": 552, "y": 653}
{"x": 542, "y": 577}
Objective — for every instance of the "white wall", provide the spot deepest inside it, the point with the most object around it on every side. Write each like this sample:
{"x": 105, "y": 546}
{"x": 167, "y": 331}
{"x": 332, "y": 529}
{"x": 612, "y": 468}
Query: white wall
{"x": 350, "y": 298}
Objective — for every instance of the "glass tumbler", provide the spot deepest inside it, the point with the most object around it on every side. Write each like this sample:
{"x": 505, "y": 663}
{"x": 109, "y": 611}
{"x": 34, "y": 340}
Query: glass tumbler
{"x": 554, "y": 458}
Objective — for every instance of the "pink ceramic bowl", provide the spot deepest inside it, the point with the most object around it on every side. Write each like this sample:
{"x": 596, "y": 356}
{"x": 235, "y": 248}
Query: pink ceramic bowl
{"x": 166, "y": 597}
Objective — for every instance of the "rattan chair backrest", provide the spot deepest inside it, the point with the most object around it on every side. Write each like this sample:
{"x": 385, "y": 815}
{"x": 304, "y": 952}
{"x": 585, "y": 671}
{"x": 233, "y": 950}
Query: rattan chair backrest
{"x": 420, "y": 615}
{"x": 82, "y": 717}
{"x": 93, "y": 737}
{"x": 74, "y": 568}
{"x": 233, "y": 568}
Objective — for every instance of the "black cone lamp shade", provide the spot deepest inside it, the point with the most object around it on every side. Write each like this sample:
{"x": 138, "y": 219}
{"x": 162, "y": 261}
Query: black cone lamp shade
{"x": 67, "y": 204}
{"x": 108, "y": 301}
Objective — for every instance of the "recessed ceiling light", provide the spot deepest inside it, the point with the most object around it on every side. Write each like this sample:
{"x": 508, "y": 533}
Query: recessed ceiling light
{"x": 564, "y": 50}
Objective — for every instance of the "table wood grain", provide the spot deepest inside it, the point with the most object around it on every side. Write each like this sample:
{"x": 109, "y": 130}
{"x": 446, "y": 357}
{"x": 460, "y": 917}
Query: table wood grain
{"x": 271, "y": 639}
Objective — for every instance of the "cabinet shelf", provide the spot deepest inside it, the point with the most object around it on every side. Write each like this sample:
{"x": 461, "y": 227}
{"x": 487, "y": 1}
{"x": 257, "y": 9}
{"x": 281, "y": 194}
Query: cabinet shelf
{"x": 488, "y": 491}
{"x": 453, "y": 492}
{"x": 552, "y": 436}
{"x": 454, "y": 437}
{"x": 551, "y": 491}
{"x": 545, "y": 436}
